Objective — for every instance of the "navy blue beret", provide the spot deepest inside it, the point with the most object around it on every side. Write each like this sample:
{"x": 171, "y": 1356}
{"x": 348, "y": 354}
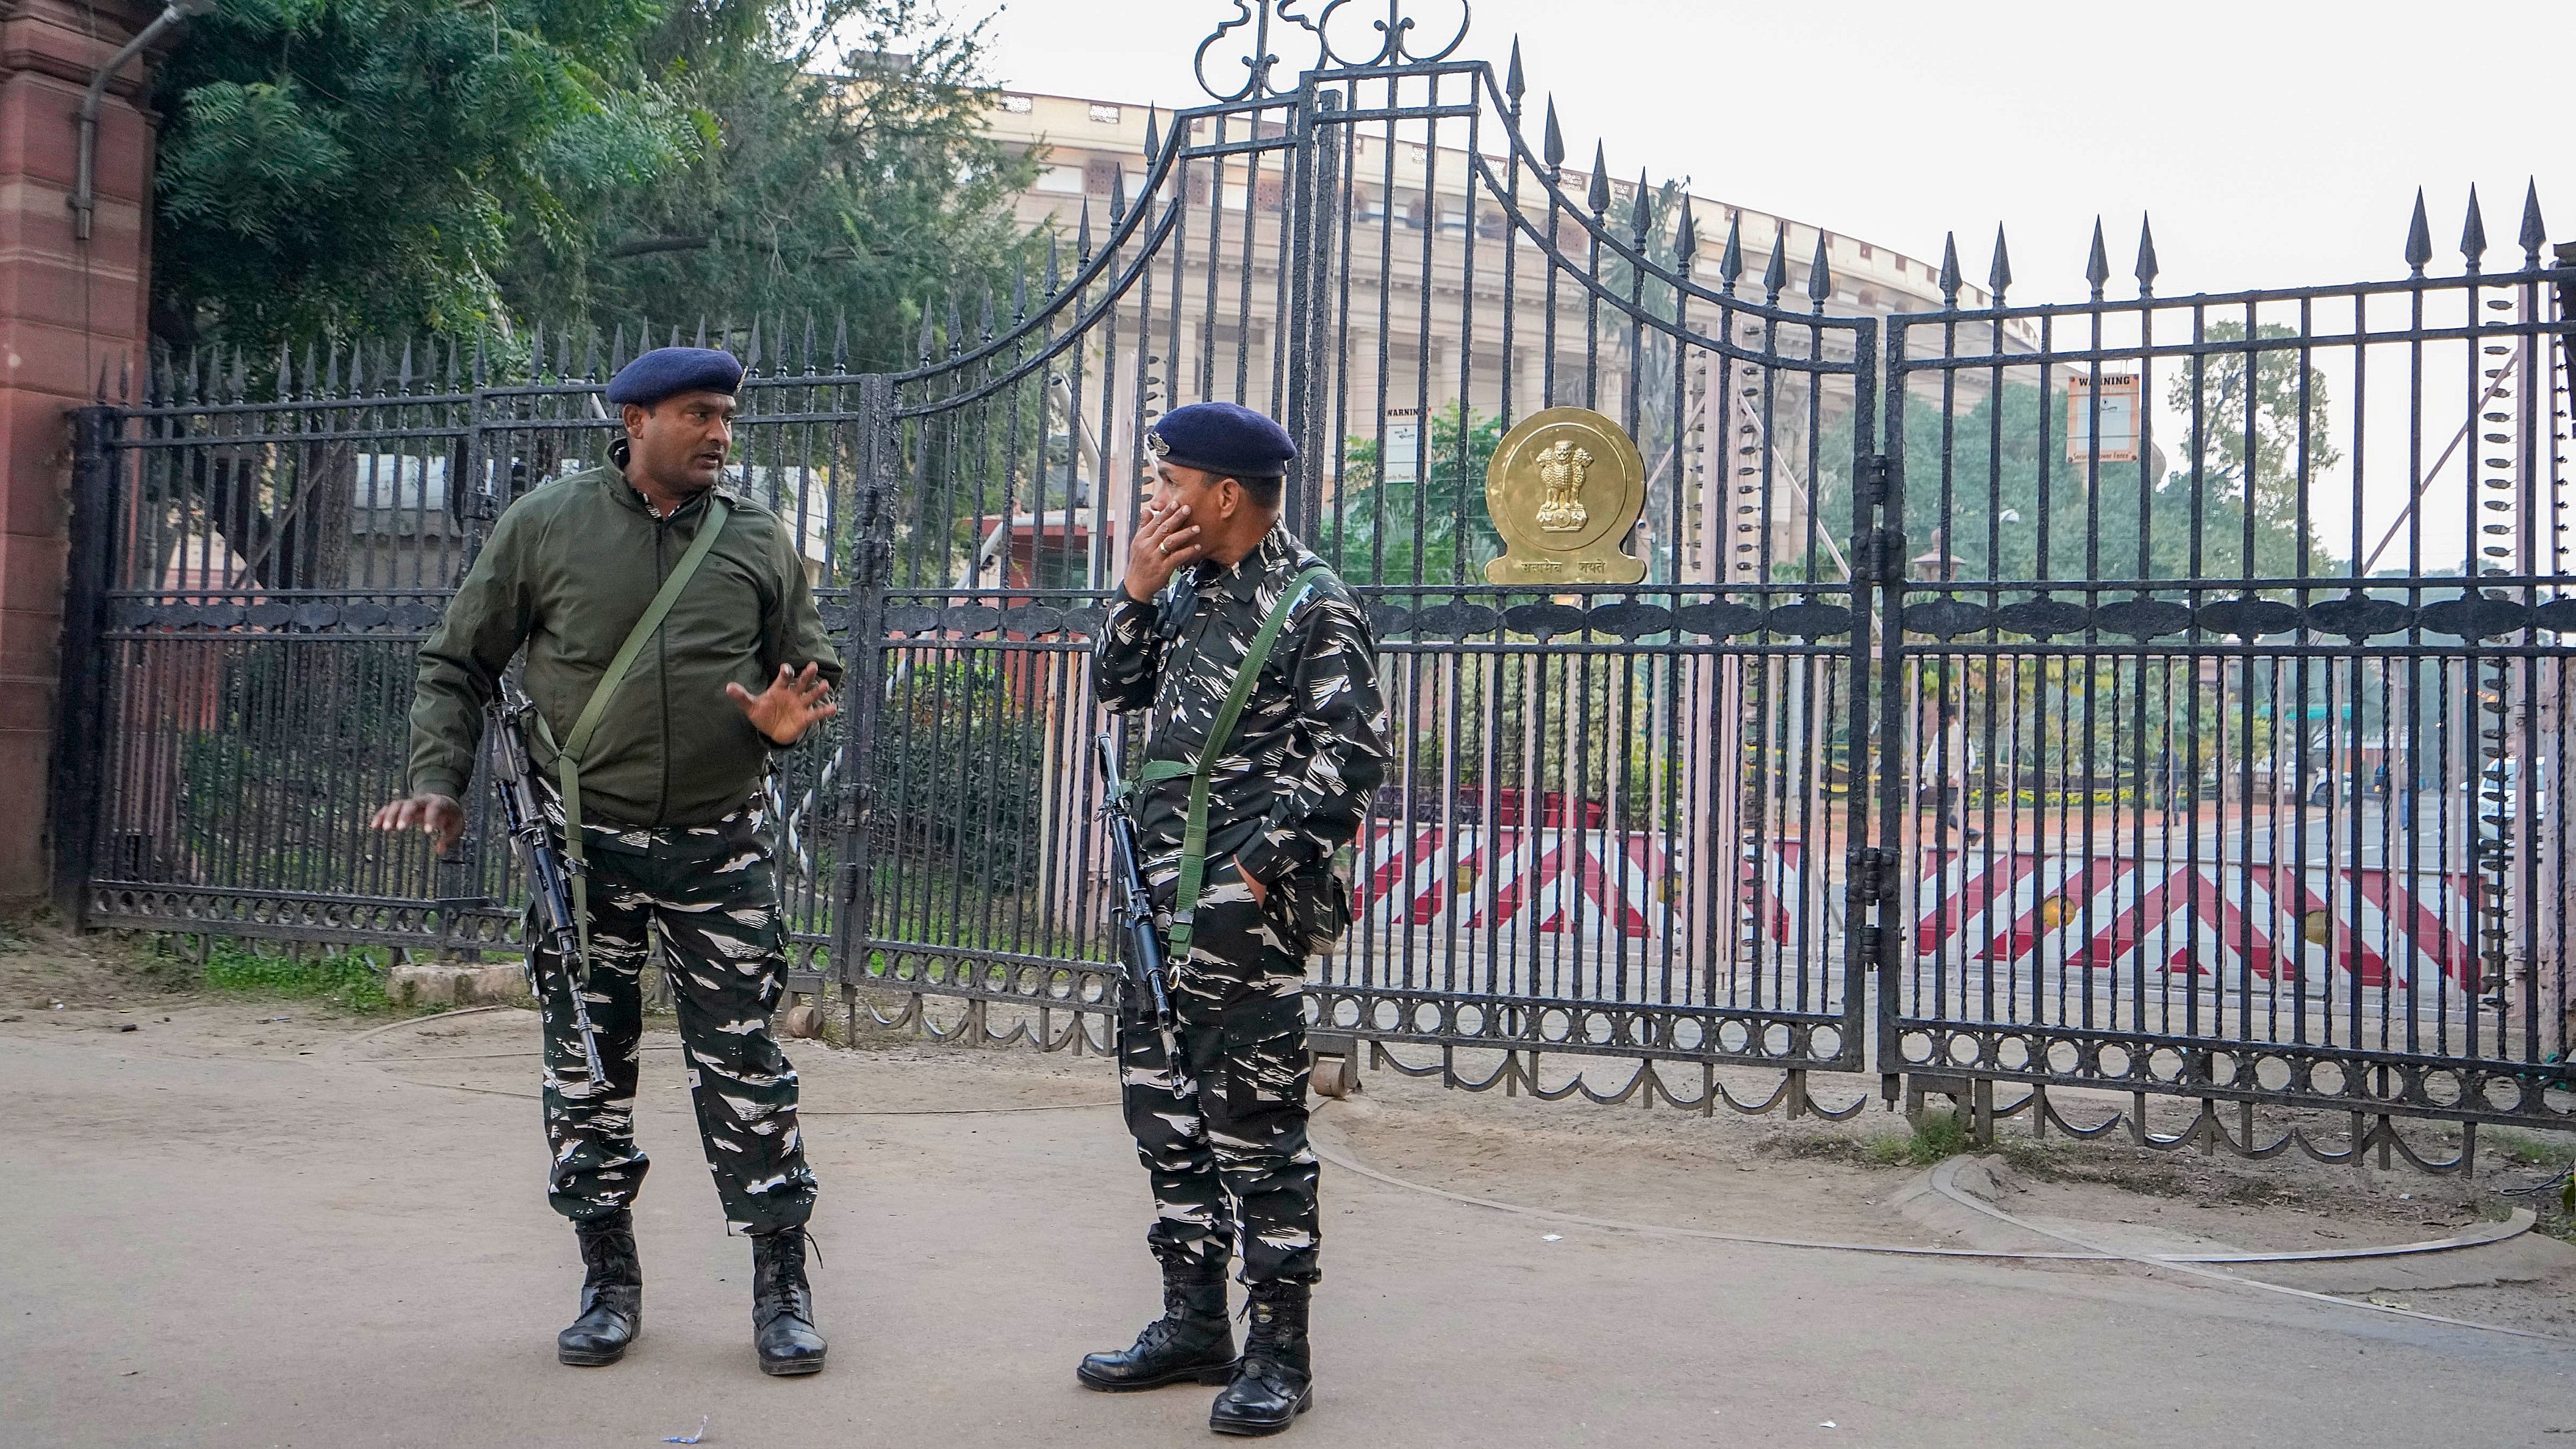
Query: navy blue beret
{"x": 670, "y": 371}
{"x": 1224, "y": 438}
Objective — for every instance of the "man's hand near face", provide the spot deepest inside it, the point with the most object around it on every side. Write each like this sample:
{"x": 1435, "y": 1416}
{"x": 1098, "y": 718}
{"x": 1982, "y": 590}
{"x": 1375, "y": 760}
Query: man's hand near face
{"x": 1166, "y": 542}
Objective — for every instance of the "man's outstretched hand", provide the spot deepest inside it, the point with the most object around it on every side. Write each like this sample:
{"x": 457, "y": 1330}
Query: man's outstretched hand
{"x": 790, "y": 705}
{"x": 433, "y": 815}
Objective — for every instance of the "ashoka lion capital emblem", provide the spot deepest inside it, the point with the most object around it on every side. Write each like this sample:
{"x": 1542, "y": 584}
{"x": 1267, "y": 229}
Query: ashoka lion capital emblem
{"x": 1564, "y": 490}
{"x": 1561, "y": 469}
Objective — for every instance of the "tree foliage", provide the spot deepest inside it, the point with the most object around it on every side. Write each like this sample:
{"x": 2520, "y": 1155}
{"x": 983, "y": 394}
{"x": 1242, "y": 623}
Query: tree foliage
{"x": 341, "y": 167}
{"x": 960, "y": 770}
{"x": 847, "y": 175}
{"x": 1407, "y": 532}
{"x": 2258, "y": 430}
{"x": 334, "y": 169}
{"x": 2217, "y": 496}
{"x": 2008, "y": 504}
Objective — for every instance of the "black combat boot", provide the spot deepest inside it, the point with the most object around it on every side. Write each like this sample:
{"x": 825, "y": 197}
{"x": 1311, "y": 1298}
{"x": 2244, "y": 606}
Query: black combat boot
{"x": 782, "y": 1305}
{"x": 1192, "y": 1340}
{"x": 612, "y": 1293}
{"x": 1276, "y": 1381}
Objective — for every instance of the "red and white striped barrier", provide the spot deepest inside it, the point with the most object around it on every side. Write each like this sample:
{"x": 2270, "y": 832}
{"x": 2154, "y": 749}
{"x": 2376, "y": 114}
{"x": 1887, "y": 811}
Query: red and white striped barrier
{"x": 2203, "y": 917}
{"x": 2395, "y": 929}
{"x": 1544, "y": 879}
{"x": 1553, "y": 880}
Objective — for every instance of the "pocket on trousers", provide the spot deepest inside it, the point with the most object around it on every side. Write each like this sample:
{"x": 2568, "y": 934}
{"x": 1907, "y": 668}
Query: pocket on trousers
{"x": 1267, "y": 1062}
{"x": 1310, "y": 909}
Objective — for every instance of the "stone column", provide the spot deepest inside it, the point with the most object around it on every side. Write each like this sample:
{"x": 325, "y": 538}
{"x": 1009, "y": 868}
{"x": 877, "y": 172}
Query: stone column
{"x": 71, "y": 312}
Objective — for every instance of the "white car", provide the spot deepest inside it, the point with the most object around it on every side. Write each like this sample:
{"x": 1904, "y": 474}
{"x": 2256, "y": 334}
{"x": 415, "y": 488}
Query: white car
{"x": 2498, "y": 797}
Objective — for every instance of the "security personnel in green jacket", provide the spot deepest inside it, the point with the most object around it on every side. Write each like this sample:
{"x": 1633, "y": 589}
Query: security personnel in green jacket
{"x": 666, "y": 798}
{"x": 1230, "y": 631}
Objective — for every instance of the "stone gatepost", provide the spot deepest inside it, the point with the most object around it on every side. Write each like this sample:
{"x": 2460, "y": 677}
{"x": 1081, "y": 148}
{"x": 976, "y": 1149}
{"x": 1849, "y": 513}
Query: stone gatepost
{"x": 71, "y": 313}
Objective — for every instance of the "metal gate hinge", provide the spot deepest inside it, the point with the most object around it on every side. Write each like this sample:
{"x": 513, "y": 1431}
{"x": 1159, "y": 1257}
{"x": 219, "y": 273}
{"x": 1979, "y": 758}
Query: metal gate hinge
{"x": 1873, "y": 873}
{"x": 1870, "y": 479}
{"x": 1882, "y": 556}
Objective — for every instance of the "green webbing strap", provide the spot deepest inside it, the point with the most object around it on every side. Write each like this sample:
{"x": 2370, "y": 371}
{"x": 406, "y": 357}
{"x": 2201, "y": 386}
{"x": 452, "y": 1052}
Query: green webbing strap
{"x": 568, "y": 754}
{"x": 1185, "y": 901}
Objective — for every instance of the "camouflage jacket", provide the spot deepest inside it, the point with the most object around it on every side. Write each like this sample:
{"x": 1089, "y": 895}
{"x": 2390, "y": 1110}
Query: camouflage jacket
{"x": 1308, "y": 750}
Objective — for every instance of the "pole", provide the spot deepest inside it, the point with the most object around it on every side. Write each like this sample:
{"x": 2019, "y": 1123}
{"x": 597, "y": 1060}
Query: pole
{"x": 863, "y": 684}
{"x": 80, "y": 700}
{"x": 84, "y": 198}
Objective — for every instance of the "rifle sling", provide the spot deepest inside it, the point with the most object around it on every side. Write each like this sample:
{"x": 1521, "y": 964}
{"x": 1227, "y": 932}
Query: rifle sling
{"x": 568, "y": 754}
{"x": 1194, "y": 832}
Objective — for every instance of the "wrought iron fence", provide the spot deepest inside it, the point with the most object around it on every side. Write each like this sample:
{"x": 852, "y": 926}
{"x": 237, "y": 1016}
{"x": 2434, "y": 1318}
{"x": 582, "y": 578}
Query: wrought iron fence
{"x": 278, "y": 539}
{"x": 2230, "y": 691}
{"x": 2155, "y": 704}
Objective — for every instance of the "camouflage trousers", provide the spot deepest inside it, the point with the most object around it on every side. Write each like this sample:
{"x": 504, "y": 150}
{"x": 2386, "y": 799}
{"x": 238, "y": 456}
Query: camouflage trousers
{"x": 1222, "y": 1129}
{"x": 711, "y": 893}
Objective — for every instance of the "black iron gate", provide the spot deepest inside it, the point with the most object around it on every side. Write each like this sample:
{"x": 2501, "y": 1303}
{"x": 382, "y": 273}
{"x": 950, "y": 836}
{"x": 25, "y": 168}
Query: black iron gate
{"x": 273, "y": 541}
{"x": 2126, "y": 713}
{"x": 2226, "y": 710}
{"x": 1616, "y": 815}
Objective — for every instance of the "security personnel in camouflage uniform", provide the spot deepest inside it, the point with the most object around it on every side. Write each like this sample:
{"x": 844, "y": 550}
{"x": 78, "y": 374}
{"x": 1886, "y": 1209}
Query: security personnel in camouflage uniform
{"x": 673, "y": 836}
{"x": 1222, "y": 1129}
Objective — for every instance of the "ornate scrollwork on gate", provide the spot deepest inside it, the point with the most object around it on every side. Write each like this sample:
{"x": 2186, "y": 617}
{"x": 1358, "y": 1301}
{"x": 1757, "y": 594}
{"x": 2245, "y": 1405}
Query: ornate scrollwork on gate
{"x": 1394, "y": 43}
{"x": 2290, "y": 1074}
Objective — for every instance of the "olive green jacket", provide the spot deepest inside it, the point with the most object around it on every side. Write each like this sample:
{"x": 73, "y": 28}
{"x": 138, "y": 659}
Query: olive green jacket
{"x": 567, "y": 572}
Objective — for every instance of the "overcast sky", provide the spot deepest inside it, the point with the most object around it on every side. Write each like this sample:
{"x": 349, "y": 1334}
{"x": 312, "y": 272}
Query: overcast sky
{"x": 2274, "y": 142}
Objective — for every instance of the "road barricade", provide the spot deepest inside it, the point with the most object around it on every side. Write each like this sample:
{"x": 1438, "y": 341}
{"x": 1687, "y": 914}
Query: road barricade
{"x": 2271, "y": 921}
{"x": 1552, "y": 880}
{"x": 1545, "y": 879}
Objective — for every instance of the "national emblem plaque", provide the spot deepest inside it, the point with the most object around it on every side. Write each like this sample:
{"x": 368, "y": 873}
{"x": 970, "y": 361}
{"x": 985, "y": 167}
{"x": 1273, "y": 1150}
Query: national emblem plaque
{"x": 1563, "y": 490}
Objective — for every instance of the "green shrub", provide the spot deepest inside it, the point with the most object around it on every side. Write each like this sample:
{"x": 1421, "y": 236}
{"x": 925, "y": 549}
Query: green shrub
{"x": 1937, "y": 1136}
{"x": 353, "y": 980}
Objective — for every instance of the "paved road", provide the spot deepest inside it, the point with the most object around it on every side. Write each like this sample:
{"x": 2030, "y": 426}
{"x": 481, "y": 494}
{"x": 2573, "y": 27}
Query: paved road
{"x": 208, "y": 1242}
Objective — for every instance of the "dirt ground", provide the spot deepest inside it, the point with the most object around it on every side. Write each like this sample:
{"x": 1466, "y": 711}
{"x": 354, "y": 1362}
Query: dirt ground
{"x": 264, "y": 1221}
{"x": 1833, "y": 1176}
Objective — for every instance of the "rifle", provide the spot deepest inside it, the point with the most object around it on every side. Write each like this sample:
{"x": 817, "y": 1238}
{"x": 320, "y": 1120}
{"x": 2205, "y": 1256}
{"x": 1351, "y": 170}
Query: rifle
{"x": 549, "y": 873}
{"x": 1143, "y": 954}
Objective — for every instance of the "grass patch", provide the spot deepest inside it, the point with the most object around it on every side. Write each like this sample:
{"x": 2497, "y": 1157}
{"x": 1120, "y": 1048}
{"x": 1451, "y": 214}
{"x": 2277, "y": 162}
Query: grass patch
{"x": 1936, "y": 1137}
{"x": 351, "y": 980}
{"x": 2549, "y": 1215}
{"x": 2526, "y": 1149}
{"x": 2553, "y": 1205}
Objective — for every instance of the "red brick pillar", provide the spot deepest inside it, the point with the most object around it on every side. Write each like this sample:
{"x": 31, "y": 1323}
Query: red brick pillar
{"x": 70, "y": 313}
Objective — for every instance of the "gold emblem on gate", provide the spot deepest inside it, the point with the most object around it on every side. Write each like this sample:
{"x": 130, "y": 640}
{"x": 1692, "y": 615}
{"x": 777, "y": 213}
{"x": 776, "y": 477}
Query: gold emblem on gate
{"x": 1562, "y": 466}
{"x": 1564, "y": 489}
